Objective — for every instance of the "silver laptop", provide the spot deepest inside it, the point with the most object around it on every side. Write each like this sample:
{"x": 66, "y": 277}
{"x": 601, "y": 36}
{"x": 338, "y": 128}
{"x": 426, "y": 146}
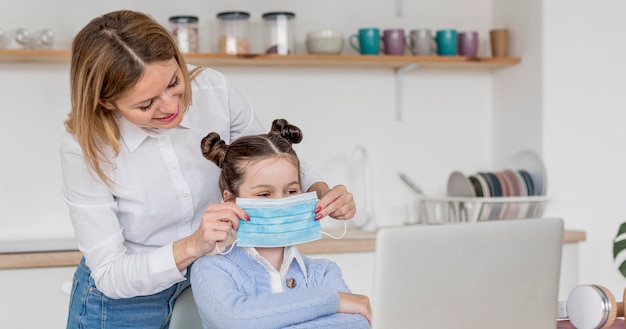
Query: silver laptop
{"x": 486, "y": 275}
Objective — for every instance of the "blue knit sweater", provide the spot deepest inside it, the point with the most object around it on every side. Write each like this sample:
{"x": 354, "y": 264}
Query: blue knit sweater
{"x": 233, "y": 291}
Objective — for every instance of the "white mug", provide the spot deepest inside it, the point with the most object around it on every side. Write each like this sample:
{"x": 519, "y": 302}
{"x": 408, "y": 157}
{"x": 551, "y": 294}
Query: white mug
{"x": 421, "y": 42}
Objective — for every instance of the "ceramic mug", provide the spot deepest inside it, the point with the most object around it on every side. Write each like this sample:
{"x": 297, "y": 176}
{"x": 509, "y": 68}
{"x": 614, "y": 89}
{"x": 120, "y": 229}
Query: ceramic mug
{"x": 468, "y": 44}
{"x": 499, "y": 39}
{"x": 368, "y": 41}
{"x": 393, "y": 41}
{"x": 447, "y": 42}
{"x": 421, "y": 42}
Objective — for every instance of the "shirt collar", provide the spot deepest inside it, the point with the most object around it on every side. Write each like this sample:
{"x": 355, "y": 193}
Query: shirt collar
{"x": 133, "y": 135}
{"x": 290, "y": 253}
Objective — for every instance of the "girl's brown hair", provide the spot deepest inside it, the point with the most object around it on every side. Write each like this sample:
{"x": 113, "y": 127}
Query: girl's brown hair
{"x": 236, "y": 157}
{"x": 109, "y": 56}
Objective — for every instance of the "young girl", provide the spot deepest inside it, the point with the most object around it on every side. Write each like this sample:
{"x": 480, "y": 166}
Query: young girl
{"x": 269, "y": 287}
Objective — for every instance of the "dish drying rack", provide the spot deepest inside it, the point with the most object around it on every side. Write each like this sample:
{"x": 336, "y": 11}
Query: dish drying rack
{"x": 434, "y": 210}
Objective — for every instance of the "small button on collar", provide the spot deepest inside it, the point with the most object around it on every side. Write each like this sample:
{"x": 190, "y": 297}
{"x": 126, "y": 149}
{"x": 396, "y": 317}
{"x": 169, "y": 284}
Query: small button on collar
{"x": 291, "y": 283}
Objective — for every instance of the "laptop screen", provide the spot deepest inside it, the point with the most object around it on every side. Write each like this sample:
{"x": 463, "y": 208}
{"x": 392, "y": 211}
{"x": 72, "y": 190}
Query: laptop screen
{"x": 498, "y": 274}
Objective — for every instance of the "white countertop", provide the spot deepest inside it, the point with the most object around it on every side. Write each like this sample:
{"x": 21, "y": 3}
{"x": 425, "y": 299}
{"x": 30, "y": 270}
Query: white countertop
{"x": 37, "y": 245}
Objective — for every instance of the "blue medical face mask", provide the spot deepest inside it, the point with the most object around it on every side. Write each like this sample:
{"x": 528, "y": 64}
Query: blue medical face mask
{"x": 278, "y": 222}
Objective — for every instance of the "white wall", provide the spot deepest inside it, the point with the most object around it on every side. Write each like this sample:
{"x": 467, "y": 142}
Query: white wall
{"x": 584, "y": 76}
{"x": 517, "y": 91}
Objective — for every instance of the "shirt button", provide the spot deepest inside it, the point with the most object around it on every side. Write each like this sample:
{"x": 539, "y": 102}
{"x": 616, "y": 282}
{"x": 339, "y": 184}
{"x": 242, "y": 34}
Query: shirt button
{"x": 163, "y": 138}
{"x": 291, "y": 283}
{"x": 185, "y": 195}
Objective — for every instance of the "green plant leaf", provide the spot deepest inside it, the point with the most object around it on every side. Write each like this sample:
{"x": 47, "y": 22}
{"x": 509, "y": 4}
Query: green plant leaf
{"x": 622, "y": 229}
{"x": 622, "y": 269}
{"x": 619, "y": 246}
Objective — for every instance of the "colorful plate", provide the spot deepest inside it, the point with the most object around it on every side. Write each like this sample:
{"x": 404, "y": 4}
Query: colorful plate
{"x": 531, "y": 162}
{"x": 516, "y": 189}
{"x": 493, "y": 180}
{"x": 528, "y": 179}
{"x": 477, "y": 186}
{"x": 459, "y": 185}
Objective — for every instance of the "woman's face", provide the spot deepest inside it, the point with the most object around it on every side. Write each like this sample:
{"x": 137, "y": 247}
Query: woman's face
{"x": 270, "y": 178}
{"x": 155, "y": 101}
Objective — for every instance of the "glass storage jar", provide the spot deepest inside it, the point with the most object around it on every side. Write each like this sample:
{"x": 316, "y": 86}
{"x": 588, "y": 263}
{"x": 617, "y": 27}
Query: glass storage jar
{"x": 20, "y": 39}
{"x": 42, "y": 39}
{"x": 278, "y": 28}
{"x": 233, "y": 32}
{"x": 185, "y": 31}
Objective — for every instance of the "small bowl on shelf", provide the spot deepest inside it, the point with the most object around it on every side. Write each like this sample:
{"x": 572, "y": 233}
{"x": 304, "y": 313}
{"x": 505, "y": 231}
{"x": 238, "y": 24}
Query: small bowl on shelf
{"x": 324, "y": 42}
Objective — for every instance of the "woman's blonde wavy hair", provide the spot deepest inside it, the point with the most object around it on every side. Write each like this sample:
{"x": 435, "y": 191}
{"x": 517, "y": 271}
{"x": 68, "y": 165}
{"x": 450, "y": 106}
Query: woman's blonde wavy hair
{"x": 109, "y": 56}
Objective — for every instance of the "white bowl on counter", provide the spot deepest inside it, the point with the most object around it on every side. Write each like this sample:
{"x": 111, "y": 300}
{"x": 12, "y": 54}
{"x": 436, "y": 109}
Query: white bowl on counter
{"x": 324, "y": 42}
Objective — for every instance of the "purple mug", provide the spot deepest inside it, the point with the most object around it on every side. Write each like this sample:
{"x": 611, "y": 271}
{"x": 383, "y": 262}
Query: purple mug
{"x": 393, "y": 41}
{"x": 468, "y": 44}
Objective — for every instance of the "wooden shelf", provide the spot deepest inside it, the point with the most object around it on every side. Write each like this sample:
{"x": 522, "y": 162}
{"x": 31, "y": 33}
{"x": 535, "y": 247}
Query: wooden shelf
{"x": 34, "y": 56}
{"x": 40, "y": 259}
{"x": 295, "y": 60}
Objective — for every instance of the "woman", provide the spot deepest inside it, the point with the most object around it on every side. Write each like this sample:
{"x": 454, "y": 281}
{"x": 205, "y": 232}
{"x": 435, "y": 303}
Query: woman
{"x": 143, "y": 201}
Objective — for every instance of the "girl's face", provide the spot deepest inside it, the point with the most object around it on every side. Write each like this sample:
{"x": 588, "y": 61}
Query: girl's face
{"x": 155, "y": 101}
{"x": 270, "y": 178}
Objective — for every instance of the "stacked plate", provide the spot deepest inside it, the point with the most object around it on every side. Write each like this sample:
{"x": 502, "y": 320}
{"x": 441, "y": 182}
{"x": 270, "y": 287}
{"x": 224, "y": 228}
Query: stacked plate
{"x": 526, "y": 176}
{"x": 515, "y": 192}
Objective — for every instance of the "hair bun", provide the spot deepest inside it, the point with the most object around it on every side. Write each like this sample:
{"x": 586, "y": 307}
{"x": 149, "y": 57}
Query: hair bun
{"x": 214, "y": 148}
{"x": 287, "y": 131}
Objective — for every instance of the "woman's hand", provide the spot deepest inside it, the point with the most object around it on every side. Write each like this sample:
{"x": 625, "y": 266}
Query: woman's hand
{"x": 217, "y": 222}
{"x": 355, "y": 304}
{"x": 337, "y": 202}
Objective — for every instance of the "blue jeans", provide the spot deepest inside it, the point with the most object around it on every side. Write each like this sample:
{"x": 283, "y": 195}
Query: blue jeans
{"x": 91, "y": 309}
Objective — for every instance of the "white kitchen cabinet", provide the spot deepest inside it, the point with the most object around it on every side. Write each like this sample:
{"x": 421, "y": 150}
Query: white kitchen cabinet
{"x": 35, "y": 297}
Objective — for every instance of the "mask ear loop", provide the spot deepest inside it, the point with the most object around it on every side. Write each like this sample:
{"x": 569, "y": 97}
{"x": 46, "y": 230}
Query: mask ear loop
{"x": 345, "y": 229}
{"x": 217, "y": 247}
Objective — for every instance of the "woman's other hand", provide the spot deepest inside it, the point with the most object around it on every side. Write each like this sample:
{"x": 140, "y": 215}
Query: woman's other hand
{"x": 337, "y": 202}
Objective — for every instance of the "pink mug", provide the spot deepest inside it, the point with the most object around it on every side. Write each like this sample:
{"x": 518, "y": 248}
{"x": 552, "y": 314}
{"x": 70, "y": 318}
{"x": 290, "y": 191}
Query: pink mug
{"x": 393, "y": 41}
{"x": 468, "y": 44}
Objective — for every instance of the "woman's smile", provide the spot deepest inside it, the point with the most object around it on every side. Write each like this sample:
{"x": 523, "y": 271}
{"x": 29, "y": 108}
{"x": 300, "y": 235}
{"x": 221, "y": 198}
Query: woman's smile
{"x": 168, "y": 117}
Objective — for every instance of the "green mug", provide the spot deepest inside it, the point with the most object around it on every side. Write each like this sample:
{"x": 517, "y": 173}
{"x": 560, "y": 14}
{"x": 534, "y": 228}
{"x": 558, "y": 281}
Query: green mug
{"x": 447, "y": 42}
{"x": 368, "y": 41}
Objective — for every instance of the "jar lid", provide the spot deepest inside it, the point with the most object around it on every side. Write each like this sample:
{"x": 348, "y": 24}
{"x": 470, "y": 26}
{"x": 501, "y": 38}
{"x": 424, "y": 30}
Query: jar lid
{"x": 274, "y": 14}
{"x": 233, "y": 15}
{"x": 183, "y": 19}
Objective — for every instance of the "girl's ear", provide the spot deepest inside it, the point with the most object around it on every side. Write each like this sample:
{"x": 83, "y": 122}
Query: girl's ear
{"x": 106, "y": 105}
{"x": 228, "y": 196}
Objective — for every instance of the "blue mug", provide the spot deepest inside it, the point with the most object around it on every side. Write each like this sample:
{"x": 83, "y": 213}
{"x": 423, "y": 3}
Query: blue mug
{"x": 447, "y": 42}
{"x": 369, "y": 41}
